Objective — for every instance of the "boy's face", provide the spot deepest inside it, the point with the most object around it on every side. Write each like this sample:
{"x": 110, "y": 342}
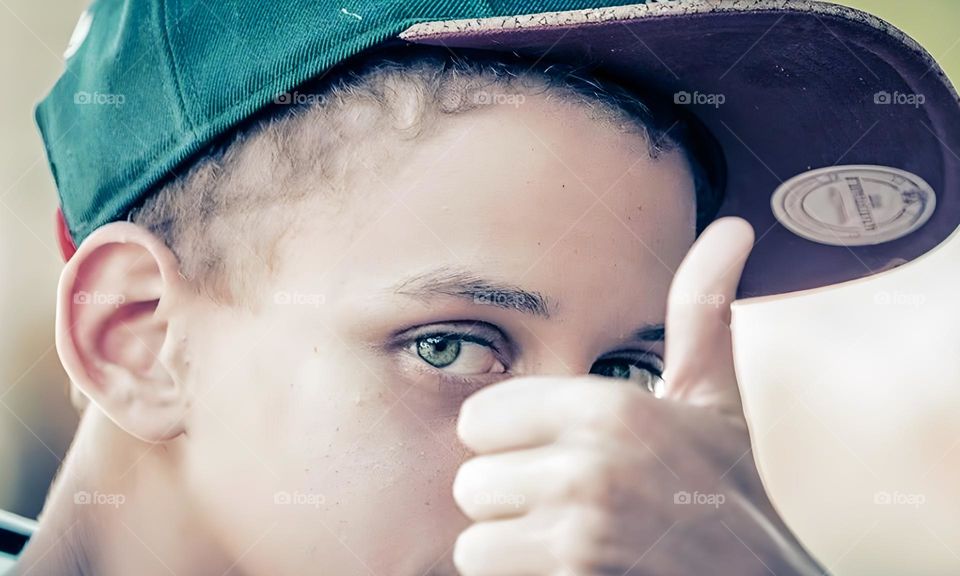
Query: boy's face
{"x": 323, "y": 432}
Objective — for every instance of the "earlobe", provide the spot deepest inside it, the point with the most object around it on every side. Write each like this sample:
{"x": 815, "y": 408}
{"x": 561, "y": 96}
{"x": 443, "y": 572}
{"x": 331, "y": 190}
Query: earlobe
{"x": 113, "y": 336}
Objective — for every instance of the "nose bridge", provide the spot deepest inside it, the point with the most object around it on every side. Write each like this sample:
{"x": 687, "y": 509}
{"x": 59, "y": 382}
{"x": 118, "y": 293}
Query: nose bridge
{"x": 566, "y": 358}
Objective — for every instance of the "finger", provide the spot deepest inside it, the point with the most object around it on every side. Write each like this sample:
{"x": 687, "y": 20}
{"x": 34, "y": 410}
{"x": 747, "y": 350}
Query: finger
{"x": 504, "y": 548}
{"x": 699, "y": 347}
{"x": 500, "y": 486}
{"x": 531, "y": 411}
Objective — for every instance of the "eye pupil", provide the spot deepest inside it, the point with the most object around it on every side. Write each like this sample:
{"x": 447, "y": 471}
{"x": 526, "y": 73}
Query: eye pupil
{"x": 612, "y": 369}
{"x": 438, "y": 351}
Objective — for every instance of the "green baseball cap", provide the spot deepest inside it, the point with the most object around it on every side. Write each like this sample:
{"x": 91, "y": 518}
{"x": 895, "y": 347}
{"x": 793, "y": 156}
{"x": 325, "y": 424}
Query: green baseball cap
{"x": 837, "y": 131}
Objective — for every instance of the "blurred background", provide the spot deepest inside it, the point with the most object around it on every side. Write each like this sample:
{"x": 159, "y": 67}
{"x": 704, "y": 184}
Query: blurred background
{"x": 853, "y": 393}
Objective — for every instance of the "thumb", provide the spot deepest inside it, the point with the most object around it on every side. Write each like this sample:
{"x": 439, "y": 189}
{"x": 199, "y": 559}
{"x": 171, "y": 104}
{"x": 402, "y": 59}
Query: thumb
{"x": 699, "y": 348}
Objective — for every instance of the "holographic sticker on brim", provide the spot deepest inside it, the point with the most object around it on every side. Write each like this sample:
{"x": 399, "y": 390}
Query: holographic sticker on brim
{"x": 854, "y": 205}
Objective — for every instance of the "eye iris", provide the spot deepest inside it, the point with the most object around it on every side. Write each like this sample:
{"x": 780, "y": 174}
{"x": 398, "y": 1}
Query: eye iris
{"x": 613, "y": 369}
{"x": 438, "y": 351}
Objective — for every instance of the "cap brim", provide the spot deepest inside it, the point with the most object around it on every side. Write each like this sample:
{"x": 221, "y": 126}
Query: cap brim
{"x": 799, "y": 82}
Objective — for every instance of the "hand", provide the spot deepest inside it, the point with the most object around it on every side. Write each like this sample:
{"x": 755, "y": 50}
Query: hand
{"x": 582, "y": 475}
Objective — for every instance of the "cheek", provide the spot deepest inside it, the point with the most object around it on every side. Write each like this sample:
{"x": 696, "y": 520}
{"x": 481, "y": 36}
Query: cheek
{"x": 332, "y": 406}
{"x": 323, "y": 444}
{"x": 354, "y": 434}
{"x": 354, "y": 428}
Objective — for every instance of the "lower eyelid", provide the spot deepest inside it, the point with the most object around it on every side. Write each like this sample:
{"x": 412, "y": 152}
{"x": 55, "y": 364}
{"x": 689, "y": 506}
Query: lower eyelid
{"x": 410, "y": 348}
{"x": 416, "y": 367}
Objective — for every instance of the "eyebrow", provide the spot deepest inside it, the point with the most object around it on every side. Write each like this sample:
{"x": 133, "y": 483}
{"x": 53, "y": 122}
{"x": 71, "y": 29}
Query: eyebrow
{"x": 448, "y": 281}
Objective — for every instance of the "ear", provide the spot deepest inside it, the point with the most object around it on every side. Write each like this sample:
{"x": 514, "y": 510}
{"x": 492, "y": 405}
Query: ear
{"x": 114, "y": 334}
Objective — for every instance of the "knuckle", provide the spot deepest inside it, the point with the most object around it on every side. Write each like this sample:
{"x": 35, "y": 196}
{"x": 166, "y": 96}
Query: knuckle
{"x": 469, "y": 550}
{"x": 580, "y": 540}
{"x": 467, "y": 419}
{"x": 464, "y": 486}
{"x": 587, "y": 477}
{"x": 472, "y": 485}
{"x": 622, "y": 406}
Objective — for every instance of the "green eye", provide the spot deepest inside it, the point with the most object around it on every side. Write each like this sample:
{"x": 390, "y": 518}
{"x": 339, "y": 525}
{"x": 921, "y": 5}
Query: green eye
{"x": 438, "y": 351}
{"x": 457, "y": 353}
{"x": 627, "y": 369}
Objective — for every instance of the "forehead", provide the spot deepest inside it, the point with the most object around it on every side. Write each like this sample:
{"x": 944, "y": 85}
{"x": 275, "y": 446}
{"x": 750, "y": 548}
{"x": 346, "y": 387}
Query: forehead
{"x": 522, "y": 188}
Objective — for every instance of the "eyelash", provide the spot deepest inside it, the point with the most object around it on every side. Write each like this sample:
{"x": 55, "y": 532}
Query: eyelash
{"x": 639, "y": 359}
{"x": 405, "y": 339}
{"x": 456, "y": 330}
{"x": 646, "y": 361}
